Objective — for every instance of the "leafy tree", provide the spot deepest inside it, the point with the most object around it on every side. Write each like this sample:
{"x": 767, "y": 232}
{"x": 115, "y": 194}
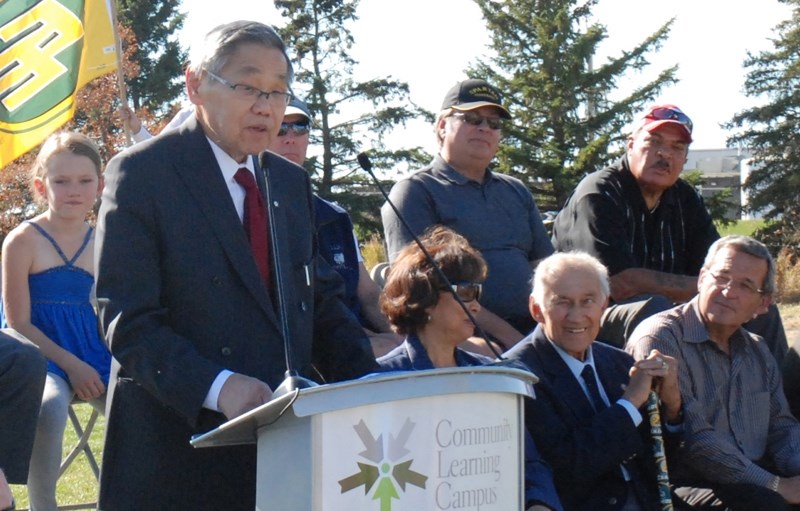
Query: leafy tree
{"x": 565, "y": 123}
{"x": 772, "y": 133}
{"x": 319, "y": 40}
{"x": 158, "y": 54}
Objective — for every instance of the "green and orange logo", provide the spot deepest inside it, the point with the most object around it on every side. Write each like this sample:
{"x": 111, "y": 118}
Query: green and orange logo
{"x": 390, "y": 467}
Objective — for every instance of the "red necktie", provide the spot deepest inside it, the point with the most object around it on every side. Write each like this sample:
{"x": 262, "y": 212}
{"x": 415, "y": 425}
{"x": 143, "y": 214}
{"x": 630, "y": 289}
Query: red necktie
{"x": 255, "y": 221}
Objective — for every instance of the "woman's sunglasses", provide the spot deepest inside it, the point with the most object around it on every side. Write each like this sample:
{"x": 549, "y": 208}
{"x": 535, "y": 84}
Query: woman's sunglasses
{"x": 467, "y": 291}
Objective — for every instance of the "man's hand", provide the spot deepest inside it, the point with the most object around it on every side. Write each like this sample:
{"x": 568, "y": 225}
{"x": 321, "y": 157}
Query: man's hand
{"x": 241, "y": 394}
{"x": 789, "y": 489}
{"x": 129, "y": 119}
{"x": 638, "y": 388}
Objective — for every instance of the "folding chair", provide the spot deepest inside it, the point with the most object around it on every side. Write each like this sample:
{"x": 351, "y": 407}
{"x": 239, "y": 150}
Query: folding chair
{"x": 83, "y": 432}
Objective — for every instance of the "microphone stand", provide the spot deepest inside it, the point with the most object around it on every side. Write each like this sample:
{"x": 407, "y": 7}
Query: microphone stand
{"x": 292, "y": 380}
{"x": 366, "y": 165}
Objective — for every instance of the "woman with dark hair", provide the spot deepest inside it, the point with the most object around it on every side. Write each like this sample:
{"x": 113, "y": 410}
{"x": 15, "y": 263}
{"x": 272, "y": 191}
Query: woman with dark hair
{"x": 421, "y": 305}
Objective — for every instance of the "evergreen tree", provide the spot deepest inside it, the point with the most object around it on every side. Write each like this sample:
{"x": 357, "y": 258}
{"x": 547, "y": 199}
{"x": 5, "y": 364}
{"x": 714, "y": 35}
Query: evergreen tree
{"x": 160, "y": 57}
{"x": 772, "y": 132}
{"x": 565, "y": 122}
{"x": 319, "y": 40}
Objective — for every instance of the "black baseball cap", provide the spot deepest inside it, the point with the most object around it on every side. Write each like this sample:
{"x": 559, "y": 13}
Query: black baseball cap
{"x": 474, "y": 93}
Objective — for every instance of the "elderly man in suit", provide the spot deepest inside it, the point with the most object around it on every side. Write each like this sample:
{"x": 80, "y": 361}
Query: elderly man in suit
{"x": 190, "y": 298}
{"x": 585, "y": 418}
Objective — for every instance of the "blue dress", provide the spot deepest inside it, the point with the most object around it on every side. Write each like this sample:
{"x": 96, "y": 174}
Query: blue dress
{"x": 62, "y": 310}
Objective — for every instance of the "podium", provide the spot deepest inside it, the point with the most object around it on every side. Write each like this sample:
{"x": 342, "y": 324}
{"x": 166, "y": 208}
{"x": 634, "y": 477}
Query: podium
{"x": 443, "y": 439}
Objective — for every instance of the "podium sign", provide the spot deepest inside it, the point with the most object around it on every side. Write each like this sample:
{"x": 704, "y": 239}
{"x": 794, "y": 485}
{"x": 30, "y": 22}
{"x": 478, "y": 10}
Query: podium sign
{"x": 409, "y": 455}
{"x": 449, "y": 439}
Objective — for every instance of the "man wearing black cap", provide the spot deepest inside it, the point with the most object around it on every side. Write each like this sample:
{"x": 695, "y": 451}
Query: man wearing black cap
{"x": 649, "y": 227}
{"x": 495, "y": 212}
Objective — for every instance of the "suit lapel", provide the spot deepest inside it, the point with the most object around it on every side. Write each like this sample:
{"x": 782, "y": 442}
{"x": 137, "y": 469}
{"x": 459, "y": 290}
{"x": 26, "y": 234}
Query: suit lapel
{"x": 201, "y": 175}
{"x": 607, "y": 371}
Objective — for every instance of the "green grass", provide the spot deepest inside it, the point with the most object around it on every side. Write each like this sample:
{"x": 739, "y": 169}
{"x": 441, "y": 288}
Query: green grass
{"x": 78, "y": 484}
{"x": 742, "y": 228}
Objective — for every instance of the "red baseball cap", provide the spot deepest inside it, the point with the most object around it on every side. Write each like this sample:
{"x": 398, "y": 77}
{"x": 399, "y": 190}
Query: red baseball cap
{"x": 659, "y": 115}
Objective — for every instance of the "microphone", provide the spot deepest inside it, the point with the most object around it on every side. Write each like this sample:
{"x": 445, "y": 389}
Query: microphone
{"x": 292, "y": 380}
{"x": 366, "y": 165}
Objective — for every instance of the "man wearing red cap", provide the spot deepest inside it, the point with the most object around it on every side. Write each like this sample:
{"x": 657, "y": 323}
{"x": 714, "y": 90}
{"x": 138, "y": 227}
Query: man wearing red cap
{"x": 649, "y": 227}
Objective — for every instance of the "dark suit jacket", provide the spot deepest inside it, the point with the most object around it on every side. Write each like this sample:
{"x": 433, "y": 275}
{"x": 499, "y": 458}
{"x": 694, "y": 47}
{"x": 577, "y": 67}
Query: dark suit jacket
{"x": 584, "y": 448}
{"x": 181, "y": 299}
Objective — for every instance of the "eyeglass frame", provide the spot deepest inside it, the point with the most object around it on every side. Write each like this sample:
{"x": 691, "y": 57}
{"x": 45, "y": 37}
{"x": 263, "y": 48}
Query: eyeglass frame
{"x": 256, "y": 94}
{"x": 473, "y": 287}
{"x": 730, "y": 281}
{"x": 494, "y": 123}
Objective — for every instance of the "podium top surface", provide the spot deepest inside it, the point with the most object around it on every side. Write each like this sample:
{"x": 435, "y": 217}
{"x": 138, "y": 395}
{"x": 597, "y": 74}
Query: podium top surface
{"x": 371, "y": 389}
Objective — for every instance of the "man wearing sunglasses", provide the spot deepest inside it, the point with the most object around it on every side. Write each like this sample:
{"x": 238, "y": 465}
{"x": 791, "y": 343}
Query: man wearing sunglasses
{"x": 336, "y": 239}
{"x": 649, "y": 227}
{"x": 495, "y": 212}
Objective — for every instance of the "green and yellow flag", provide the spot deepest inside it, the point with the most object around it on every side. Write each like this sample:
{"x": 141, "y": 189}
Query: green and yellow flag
{"x": 48, "y": 50}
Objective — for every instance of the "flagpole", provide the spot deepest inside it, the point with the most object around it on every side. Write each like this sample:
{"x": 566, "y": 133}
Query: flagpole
{"x": 123, "y": 89}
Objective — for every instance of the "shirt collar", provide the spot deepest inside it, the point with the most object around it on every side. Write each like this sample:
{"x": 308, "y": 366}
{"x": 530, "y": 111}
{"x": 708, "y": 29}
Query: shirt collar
{"x": 228, "y": 165}
{"x": 419, "y": 358}
{"x": 441, "y": 167}
{"x": 575, "y": 366}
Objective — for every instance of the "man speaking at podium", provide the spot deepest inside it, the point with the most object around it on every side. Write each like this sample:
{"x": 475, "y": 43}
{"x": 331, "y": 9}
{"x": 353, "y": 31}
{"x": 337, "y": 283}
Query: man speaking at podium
{"x": 191, "y": 285}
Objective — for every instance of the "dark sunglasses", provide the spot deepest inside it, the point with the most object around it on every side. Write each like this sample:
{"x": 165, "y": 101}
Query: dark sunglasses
{"x": 298, "y": 128}
{"x": 668, "y": 114}
{"x": 467, "y": 291}
{"x": 494, "y": 123}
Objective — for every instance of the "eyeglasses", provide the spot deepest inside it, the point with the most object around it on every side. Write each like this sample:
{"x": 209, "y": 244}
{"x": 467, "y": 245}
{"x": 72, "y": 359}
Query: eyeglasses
{"x": 467, "y": 291}
{"x": 670, "y": 114}
{"x": 726, "y": 282}
{"x": 275, "y": 98}
{"x": 494, "y": 123}
{"x": 298, "y": 128}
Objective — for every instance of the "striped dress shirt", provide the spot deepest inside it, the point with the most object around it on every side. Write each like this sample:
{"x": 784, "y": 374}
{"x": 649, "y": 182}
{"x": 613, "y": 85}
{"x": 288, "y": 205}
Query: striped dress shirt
{"x": 736, "y": 417}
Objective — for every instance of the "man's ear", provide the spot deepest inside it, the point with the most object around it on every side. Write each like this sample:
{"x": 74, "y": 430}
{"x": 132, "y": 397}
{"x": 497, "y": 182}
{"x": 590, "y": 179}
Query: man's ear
{"x": 193, "y": 82}
{"x": 766, "y": 301}
{"x": 535, "y": 310}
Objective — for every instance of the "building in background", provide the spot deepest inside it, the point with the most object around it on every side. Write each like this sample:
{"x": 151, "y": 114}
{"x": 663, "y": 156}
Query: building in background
{"x": 721, "y": 169}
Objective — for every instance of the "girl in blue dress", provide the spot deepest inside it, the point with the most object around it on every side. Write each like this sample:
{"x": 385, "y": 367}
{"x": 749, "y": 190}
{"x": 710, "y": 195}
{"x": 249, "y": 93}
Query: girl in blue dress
{"x": 48, "y": 279}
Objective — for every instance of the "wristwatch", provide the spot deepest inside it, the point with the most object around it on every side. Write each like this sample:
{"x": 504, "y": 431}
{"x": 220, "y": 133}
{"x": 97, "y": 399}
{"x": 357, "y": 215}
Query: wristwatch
{"x": 773, "y": 485}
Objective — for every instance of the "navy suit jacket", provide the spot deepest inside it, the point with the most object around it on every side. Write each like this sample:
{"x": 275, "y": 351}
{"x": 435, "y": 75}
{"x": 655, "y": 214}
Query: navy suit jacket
{"x": 584, "y": 448}
{"x": 181, "y": 299}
